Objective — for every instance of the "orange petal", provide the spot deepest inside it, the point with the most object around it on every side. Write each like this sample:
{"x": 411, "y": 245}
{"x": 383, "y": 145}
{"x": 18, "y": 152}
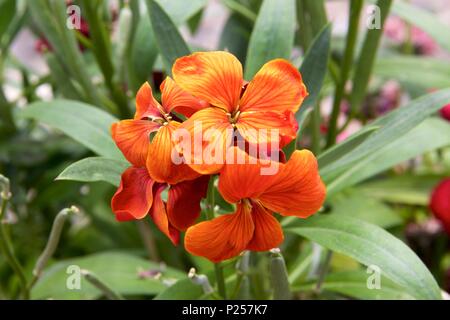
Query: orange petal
{"x": 215, "y": 77}
{"x": 268, "y": 129}
{"x": 223, "y": 237}
{"x": 173, "y": 98}
{"x": 297, "y": 189}
{"x": 208, "y": 135}
{"x": 132, "y": 138}
{"x": 146, "y": 105}
{"x": 268, "y": 233}
{"x": 134, "y": 197}
{"x": 183, "y": 202}
{"x": 160, "y": 164}
{"x": 159, "y": 215}
{"x": 241, "y": 176}
{"x": 278, "y": 86}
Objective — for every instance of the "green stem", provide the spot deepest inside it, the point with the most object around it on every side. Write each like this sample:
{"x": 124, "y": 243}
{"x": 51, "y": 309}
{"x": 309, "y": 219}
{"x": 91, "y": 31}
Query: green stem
{"x": 355, "y": 10}
{"x": 210, "y": 215}
{"x": 103, "y": 287}
{"x": 8, "y": 251}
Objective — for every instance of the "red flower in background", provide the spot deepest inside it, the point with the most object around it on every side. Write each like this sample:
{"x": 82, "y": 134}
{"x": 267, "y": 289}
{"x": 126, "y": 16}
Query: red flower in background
{"x": 445, "y": 112}
{"x": 440, "y": 203}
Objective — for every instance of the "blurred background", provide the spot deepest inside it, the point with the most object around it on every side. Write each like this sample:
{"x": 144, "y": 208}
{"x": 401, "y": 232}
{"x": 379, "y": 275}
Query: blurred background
{"x": 35, "y": 65}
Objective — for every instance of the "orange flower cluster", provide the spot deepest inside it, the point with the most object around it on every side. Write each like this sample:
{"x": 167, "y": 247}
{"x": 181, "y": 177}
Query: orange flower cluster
{"x": 209, "y": 91}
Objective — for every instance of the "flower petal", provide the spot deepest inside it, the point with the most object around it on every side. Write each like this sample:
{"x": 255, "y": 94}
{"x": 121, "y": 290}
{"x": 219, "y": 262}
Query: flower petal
{"x": 160, "y": 164}
{"x": 223, "y": 237}
{"x": 215, "y": 77}
{"x": 183, "y": 202}
{"x": 134, "y": 197}
{"x": 298, "y": 189}
{"x": 159, "y": 215}
{"x": 173, "y": 98}
{"x": 268, "y": 233}
{"x": 242, "y": 177}
{"x": 146, "y": 105}
{"x": 207, "y": 135}
{"x": 278, "y": 86}
{"x": 271, "y": 130}
{"x": 132, "y": 138}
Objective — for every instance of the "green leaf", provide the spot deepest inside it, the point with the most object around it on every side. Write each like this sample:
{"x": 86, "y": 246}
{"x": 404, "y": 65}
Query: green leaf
{"x": 183, "y": 289}
{"x": 422, "y": 71}
{"x": 341, "y": 149}
{"x": 235, "y": 36}
{"x": 432, "y": 134}
{"x": 272, "y": 36}
{"x": 119, "y": 271}
{"x": 371, "y": 245}
{"x": 407, "y": 189}
{"x": 7, "y": 10}
{"x": 80, "y": 121}
{"x": 391, "y": 127}
{"x": 354, "y": 284}
{"x": 426, "y": 21}
{"x": 314, "y": 67}
{"x": 181, "y": 11}
{"x": 362, "y": 206}
{"x": 169, "y": 41}
{"x": 95, "y": 169}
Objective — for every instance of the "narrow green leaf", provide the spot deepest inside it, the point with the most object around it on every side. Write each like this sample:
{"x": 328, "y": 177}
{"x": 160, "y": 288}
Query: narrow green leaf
{"x": 371, "y": 245}
{"x": 354, "y": 284}
{"x": 426, "y": 21}
{"x": 82, "y": 122}
{"x": 314, "y": 67}
{"x": 421, "y": 71}
{"x": 119, "y": 271}
{"x": 392, "y": 126}
{"x": 95, "y": 169}
{"x": 432, "y": 134}
{"x": 341, "y": 149}
{"x": 7, "y": 10}
{"x": 406, "y": 188}
{"x": 272, "y": 36}
{"x": 169, "y": 41}
{"x": 181, "y": 11}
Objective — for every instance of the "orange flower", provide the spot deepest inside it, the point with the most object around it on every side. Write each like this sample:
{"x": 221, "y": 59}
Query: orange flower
{"x": 269, "y": 101}
{"x": 295, "y": 190}
{"x": 138, "y": 196}
{"x": 133, "y": 136}
{"x": 143, "y": 184}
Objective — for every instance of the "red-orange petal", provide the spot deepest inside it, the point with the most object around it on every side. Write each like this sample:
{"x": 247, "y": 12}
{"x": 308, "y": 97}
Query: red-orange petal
{"x": 134, "y": 196}
{"x": 158, "y": 213}
{"x": 271, "y": 130}
{"x": 160, "y": 163}
{"x": 207, "y": 135}
{"x": 146, "y": 104}
{"x": 268, "y": 233}
{"x": 298, "y": 189}
{"x": 215, "y": 77}
{"x": 173, "y": 98}
{"x": 183, "y": 202}
{"x": 241, "y": 176}
{"x": 132, "y": 138}
{"x": 223, "y": 237}
{"x": 278, "y": 86}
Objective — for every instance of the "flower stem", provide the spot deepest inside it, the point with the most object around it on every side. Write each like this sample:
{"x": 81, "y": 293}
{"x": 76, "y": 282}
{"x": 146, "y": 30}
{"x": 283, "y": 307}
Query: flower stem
{"x": 210, "y": 215}
{"x": 5, "y": 243}
{"x": 103, "y": 287}
{"x": 347, "y": 61}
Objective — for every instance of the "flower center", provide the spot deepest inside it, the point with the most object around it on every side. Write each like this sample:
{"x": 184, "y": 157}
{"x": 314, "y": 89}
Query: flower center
{"x": 233, "y": 117}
